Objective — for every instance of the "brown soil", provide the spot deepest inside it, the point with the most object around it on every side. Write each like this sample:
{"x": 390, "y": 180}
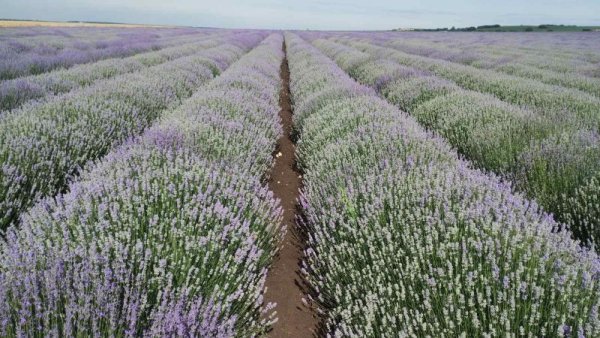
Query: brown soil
{"x": 284, "y": 282}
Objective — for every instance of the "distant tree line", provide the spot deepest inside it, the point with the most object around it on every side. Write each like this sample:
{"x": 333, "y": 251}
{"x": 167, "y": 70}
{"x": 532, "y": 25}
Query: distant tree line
{"x": 521, "y": 28}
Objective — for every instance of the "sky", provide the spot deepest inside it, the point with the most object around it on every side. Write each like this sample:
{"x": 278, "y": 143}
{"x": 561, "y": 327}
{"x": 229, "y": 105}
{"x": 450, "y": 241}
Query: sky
{"x": 310, "y": 14}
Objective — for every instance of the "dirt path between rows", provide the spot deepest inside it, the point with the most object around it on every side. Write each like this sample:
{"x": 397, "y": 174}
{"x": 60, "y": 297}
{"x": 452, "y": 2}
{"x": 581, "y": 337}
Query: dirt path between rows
{"x": 284, "y": 282}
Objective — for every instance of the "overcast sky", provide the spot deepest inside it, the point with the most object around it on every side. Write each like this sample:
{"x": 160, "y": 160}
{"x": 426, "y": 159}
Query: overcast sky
{"x": 310, "y": 14}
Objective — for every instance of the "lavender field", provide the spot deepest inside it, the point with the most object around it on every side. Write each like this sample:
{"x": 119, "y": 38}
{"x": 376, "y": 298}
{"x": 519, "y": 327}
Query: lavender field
{"x": 187, "y": 182}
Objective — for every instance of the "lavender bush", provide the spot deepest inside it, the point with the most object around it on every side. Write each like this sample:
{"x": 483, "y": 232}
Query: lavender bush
{"x": 563, "y": 53}
{"x": 550, "y": 101}
{"x": 531, "y": 149}
{"x": 546, "y": 66}
{"x": 14, "y": 93}
{"x": 406, "y": 239}
{"x": 488, "y": 131}
{"x": 168, "y": 235}
{"x": 43, "y": 145}
{"x": 27, "y": 51}
{"x": 554, "y": 167}
{"x": 581, "y": 210}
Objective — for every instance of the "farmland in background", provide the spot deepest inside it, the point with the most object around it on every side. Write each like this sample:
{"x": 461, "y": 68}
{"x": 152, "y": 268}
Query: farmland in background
{"x": 164, "y": 181}
{"x": 41, "y": 23}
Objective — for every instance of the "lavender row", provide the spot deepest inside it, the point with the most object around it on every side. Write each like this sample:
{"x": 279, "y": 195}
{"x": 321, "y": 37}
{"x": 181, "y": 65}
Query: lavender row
{"x": 544, "y": 157}
{"x": 43, "y": 145}
{"x": 557, "y": 57}
{"x": 550, "y": 101}
{"x": 14, "y": 93}
{"x": 571, "y": 53}
{"x": 406, "y": 239}
{"x": 169, "y": 235}
{"x": 23, "y": 56}
{"x": 516, "y": 64}
{"x": 75, "y": 35}
{"x": 563, "y": 53}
